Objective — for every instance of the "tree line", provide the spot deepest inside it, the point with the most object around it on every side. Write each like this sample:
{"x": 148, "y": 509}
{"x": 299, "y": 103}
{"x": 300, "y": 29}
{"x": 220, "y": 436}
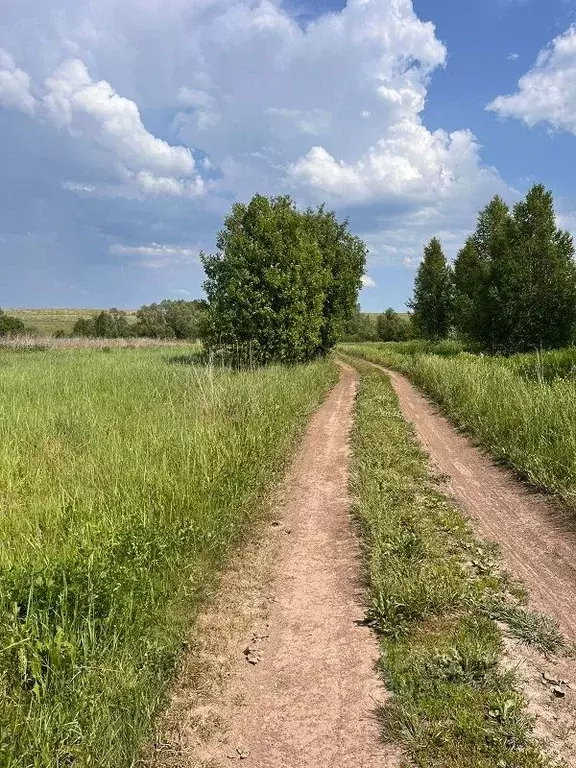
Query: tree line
{"x": 512, "y": 286}
{"x": 386, "y": 326}
{"x": 168, "y": 319}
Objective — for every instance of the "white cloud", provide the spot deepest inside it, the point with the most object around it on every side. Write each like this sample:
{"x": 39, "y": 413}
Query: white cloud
{"x": 547, "y": 92}
{"x": 368, "y": 282}
{"x": 94, "y": 110}
{"x": 74, "y": 186}
{"x": 331, "y": 109}
{"x": 312, "y": 121}
{"x": 513, "y": 56}
{"x": 155, "y": 249}
{"x": 157, "y": 255}
{"x": 411, "y": 162}
{"x": 15, "y": 86}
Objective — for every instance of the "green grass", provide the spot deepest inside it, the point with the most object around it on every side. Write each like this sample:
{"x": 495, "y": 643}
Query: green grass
{"x": 526, "y": 419}
{"x": 124, "y": 481}
{"x": 48, "y": 321}
{"x": 432, "y": 585}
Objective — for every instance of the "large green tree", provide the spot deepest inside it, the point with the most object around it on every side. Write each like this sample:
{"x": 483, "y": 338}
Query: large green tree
{"x": 540, "y": 280}
{"x": 480, "y": 271}
{"x": 283, "y": 283}
{"x": 390, "y": 326}
{"x": 432, "y": 302}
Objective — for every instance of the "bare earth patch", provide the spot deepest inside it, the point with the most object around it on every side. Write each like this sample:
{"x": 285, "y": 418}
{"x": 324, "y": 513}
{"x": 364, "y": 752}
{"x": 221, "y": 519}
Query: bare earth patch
{"x": 550, "y": 688}
{"x": 288, "y": 669}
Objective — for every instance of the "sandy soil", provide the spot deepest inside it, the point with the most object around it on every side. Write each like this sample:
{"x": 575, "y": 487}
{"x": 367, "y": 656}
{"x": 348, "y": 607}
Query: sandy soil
{"x": 537, "y": 537}
{"x": 300, "y": 688}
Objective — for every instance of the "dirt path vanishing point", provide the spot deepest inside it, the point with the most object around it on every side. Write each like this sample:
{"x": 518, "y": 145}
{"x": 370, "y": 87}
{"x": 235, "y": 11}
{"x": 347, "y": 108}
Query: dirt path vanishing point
{"x": 537, "y": 536}
{"x": 301, "y": 689}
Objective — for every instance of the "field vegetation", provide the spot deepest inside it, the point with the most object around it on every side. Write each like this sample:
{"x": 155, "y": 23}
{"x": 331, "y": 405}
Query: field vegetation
{"x": 125, "y": 477}
{"x": 47, "y": 322}
{"x": 521, "y": 408}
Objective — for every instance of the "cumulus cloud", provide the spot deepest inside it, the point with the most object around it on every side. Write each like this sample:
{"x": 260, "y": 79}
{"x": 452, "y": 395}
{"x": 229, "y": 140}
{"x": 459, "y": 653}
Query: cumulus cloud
{"x": 547, "y": 92}
{"x": 368, "y": 282}
{"x": 95, "y": 110}
{"x": 15, "y": 86}
{"x": 411, "y": 162}
{"x": 327, "y": 110}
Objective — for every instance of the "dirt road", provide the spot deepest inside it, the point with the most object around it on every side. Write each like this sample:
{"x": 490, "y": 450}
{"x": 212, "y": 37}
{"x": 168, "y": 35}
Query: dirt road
{"x": 537, "y": 537}
{"x": 310, "y": 701}
{"x": 288, "y": 670}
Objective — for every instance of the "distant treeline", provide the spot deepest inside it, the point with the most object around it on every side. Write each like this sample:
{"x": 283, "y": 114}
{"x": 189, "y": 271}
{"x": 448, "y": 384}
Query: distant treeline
{"x": 169, "y": 319}
{"x": 387, "y": 326}
{"x": 512, "y": 287}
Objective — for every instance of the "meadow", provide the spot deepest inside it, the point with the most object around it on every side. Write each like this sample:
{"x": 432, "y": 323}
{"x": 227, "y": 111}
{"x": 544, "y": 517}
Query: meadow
{"x": 49, "y": 321}
{"x": 522, "y": 409}
{"x": 126, "y": 475}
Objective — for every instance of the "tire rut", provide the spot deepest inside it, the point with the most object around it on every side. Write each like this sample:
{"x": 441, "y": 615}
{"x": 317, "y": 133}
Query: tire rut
{"x": 311, "y": 701}
{"x": 536, "y": 535}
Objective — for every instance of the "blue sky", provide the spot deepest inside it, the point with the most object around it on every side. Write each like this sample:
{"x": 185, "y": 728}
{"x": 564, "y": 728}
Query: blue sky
{"x": 128, "y": 127}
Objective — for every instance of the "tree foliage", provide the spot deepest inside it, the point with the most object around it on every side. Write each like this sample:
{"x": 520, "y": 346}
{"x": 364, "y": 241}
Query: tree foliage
{"x": 283, "y": 282}
{"x": 10, "y": 325}
{"x": 112, "y": 324}
{"x": 171, "y": 319}
{"x": 515, "y": 278}
{"x": 390, "y": 326}
{"x": 541, "y": 276}
{"x": 432, "y": 303}
{"x": 360, "y": 327}
{"x": 168, "y": 319}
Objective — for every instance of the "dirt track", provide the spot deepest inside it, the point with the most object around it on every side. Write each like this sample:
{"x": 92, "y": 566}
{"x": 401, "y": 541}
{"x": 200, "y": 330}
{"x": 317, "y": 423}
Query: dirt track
{"x": 310, "y": 702}
{"x": 294, "y": 607}
{"x": 537, "y": 537}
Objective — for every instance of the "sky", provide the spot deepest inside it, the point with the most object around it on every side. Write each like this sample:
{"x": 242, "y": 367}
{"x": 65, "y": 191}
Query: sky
{"x": 129, "y": 127}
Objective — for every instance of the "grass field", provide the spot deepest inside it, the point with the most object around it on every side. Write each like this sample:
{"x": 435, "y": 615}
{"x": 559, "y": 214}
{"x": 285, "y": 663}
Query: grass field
{"x": 453, "y": 706}
{"x": 522, "y": 409}
{"x": 48, "y": 321}
{"x": 125, "y": 477}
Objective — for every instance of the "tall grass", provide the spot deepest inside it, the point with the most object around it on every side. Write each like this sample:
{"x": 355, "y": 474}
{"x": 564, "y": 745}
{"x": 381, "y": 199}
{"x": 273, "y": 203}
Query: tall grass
{"x": 124, "y": 480}
{"x": 523, "y": 417}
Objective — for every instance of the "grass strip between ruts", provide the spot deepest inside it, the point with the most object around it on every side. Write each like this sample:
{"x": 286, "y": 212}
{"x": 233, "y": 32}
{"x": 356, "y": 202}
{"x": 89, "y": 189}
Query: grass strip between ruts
{"x": 435, "y": 594}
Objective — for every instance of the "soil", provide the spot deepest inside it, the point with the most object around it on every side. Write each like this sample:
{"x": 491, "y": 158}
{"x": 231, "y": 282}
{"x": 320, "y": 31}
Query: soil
{"x": 294, "y": 675}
